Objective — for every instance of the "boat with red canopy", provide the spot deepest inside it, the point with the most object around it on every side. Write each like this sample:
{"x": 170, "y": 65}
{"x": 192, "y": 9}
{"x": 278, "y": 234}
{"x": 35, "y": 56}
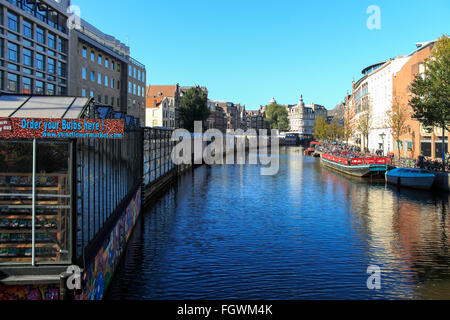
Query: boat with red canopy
{"x": 312, "y": 149}
{"x": 361, "y": 166}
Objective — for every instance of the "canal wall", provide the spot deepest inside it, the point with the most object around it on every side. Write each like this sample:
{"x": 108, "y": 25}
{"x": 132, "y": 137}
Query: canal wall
{"x": 97, "y": 276}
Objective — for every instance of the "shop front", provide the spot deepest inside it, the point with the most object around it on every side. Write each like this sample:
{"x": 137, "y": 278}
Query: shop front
{"x": 69, "y": 170}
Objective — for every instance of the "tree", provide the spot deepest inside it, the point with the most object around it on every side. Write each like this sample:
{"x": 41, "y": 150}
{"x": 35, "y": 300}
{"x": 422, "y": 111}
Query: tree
{"x": 193, "y": 107}
{"x": 321, "y": 129}
{"x": 335, "y": 129}
{"x": 349, "y": 128}
{"x": 364, "y": 122}
{"x": 396, "y": 120}
{"x": 431, "y": 92}
{"x": 277, "y": 116}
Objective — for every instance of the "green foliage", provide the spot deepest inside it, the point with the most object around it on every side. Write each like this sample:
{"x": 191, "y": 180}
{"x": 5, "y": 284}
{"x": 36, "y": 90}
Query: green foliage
{"x": 335, "y": 130}
{"x": 193, "y": 107}
{"x": 431, "y": 93}
{"x": 321, "y": 128}
{"x": 277, "y": 116}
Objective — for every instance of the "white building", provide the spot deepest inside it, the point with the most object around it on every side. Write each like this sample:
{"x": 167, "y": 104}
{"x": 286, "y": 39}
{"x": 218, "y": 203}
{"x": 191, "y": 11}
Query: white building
{"x": 160, "y": 113}
{"x": 302, "y": 118}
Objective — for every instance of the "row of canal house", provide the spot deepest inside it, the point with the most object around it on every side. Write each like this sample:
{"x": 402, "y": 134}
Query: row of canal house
{"x": 85, "y": 200}
{"x": 43, "y": 53}
{"x": 384, "y": 85}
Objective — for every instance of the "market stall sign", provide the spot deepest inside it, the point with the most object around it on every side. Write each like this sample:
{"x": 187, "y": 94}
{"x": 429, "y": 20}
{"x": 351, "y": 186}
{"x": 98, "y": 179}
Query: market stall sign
{"x": 28, "y": 128}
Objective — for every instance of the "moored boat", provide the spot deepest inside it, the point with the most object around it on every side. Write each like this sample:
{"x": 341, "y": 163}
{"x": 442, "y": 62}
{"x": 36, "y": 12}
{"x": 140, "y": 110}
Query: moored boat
{"x": 359, "y": 167}
{"x": 411, "y": 178}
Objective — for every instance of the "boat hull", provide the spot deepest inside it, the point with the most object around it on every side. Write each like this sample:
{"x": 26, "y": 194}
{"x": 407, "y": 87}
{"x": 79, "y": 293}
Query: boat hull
{"x": 423, "y": 183}
{"x": 356, "y": 171}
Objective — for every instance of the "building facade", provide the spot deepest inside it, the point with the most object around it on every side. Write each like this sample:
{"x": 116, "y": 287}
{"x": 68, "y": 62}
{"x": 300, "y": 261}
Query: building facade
{"x": 418, "y": 139}
{"x": 302, "y": 118}
{"x": 380, "y": 96}
{"x": 171, "y": 92}
{"x": 34, "y": 44}
{"x": 103, "y": 69}
{"x": 160, "y": 113}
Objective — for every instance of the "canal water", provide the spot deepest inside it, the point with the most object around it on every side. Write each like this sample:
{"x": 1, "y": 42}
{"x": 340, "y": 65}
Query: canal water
{"x": 226, "y": 232}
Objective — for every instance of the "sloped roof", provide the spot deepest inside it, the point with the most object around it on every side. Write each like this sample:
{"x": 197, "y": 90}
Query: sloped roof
{"x": 164, "y": 91}
{"x": 153, "y": 102}
{"x": 51, "y": 107}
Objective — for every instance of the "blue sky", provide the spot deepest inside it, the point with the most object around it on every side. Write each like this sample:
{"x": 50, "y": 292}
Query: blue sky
{"x": 248, "y": 51}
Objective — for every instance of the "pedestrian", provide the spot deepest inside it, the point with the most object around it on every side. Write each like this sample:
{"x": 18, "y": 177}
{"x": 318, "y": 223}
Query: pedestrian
{"x": 420, "y": 160}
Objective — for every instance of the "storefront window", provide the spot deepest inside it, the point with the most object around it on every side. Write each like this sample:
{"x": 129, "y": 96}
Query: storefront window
{"x": 52, "y": 202}
{"x": 425, "y": 148}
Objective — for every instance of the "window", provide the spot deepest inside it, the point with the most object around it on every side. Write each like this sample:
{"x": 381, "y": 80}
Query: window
{"x": 13, "y": 82}
{"x": 134, "y": 73}
{"x": 112, "y": 83}
{"x": 62, "y": 45}
{"x": 91, "y": 94}
{"x": 40, "y": 35}
{"x": 26, "y": 86}
{"x": 27, "y": 29}
{"x": 130, "y": 71}
{"x": 129, "y": 87}
{"x": 99, "y": 98}
{"x": 83, "y": 73}
{"x": 134, "y": 89}
{"x": 83, "y": 92}
{"x": 51, "y": 41}
{"x": 106, "y": 81}
{"x": 99, "y": 59}
{"x": 51, "y": 89}
{"x": 84, "y": 52}
{"x": 92, "y": 55}
{"x": 39, "y": 87}
{"x": 40, "y": 61}
{"x": 12, "y": 52}
{"x": 106, "y": 63}
{"x": 106, "y": 99}
{"x": 139, "y": 75}
{"x": 12, "y": 22}
{"x": 61, "y": 91}
{"x": 112, "y": 65}
{"x": 51, "y": 67}
{"x": 92, "y": 76}
{"x": 99, "y": 78}
{"x": 27, "y": 57}
{"x": 62, "y": 69}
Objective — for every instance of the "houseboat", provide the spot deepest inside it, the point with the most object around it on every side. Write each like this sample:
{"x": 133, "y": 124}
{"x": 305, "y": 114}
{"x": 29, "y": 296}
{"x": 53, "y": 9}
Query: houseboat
{"x": 358, "y": 167}
{"x": 411, "y": 178}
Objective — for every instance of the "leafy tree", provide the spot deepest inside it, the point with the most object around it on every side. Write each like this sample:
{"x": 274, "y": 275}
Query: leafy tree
{"x": 321, "y": 129}
{"x": 364, "y": 122}
{"x": 277, "y": 116}
{"x": 335, "y": 129}
{"x": 396, "y": 120}
{"x": 193, "y": 107}
{"x": 349, "y": 127}
{"x": 431, "y": 93}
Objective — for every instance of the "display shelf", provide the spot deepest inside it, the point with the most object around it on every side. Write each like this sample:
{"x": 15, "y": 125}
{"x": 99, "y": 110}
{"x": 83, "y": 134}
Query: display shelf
{"x": 52, "y": 205}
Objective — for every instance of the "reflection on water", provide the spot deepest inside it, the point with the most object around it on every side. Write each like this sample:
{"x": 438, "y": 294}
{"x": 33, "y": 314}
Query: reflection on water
{"x": 226, "y": 232}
